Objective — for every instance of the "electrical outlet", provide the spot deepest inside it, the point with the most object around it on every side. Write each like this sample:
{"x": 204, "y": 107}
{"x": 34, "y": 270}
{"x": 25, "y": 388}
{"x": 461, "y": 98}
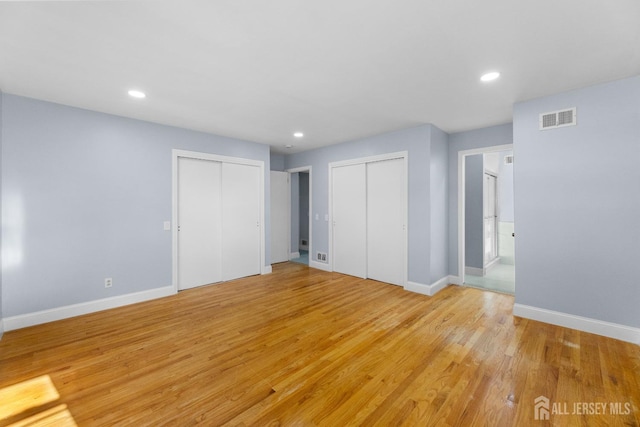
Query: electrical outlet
{"x": 108, "y": 282}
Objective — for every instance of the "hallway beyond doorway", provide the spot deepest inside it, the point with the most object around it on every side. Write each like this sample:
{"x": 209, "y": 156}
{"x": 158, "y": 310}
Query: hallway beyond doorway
{"x": 500, "y": 277}
{"x": 303, "y": 258}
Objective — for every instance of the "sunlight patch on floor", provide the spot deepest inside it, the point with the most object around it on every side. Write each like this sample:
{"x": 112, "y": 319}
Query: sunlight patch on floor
{"x": 32, "y": 403}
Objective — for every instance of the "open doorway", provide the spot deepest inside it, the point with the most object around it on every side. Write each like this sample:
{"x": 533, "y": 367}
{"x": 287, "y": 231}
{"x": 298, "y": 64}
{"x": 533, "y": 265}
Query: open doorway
{"x": 300, "y": 215}
{"x": 487, "y": 227}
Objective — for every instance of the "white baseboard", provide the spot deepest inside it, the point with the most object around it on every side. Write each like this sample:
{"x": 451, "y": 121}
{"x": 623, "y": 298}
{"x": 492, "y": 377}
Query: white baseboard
{"x": 474, "y": 271}
{"x": 492, "y": 264}
{"x": 45, "y": 316}
{"x": 267, "y": 269}
{"x": 319, "y": 265}
{"x": 585, "y": 324}
{"x": 294, "y": 255}
{"x": 1, "y": 328}
{"x": 431, "y": 289}
{"x": 455, "y": 280}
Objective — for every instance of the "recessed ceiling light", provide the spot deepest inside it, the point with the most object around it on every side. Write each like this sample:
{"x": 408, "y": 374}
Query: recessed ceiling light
{"x": 490, "y": 76}
{"x": 288, "y": 146}
{"x": 137, "y": 94}
{"x": 298, "y": 134}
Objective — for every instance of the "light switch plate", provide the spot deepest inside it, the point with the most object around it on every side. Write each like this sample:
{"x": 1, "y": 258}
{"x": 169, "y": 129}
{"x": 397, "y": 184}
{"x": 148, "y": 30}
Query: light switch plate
{"x": 167, "y": 225}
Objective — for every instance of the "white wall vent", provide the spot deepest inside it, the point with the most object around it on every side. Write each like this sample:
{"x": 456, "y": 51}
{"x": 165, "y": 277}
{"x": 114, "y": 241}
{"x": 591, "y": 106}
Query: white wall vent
{"x": 508, "y": 159}
{"x": 556, "y": 119}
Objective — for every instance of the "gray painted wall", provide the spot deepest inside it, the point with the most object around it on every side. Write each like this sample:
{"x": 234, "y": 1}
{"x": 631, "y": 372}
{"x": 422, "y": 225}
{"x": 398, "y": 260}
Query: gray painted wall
{"x": 417, "y": 142}
{"x": 439, "y": 200}
{"x": 277, "y": 162}
{"x": 84, "y": 196}
{"x": 479, "y": 138}
{"x": 304, "y": 207}
{"x": 473, "y": 211}
{"x": 577, "y": 204}
{"x": 295, "y": 212}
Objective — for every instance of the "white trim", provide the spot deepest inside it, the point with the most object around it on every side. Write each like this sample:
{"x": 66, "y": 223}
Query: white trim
{"x": 267, "y": 269}
{"x": 404, "y": 155}
{"x": 309, "y": 240}
{"x": 175, "y": 155}
{"x": 370, "y": 159}
{"x": 429, "y": 290}
{"x": 1, "y": 328}
{"x": 320, "y": 265}
{"x": 45, "y": 316}
{"x": 585, "y": 324}
{"x": 491, "y": 264}
{"x": 263, "y": 266}
{"x": 299, "y": 169}
{"x": 294, "y": 255}
{"x": 455, "y": 280}
{"x": 474, "y": 271}
{"x": 461, "y": 189}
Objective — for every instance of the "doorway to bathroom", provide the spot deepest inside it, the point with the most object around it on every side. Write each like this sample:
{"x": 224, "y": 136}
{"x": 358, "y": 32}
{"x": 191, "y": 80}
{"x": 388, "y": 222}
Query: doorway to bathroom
{"x": 487, "y": 226}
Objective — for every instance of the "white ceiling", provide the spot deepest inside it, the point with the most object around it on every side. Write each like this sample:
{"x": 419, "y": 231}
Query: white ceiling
{"x": 336, "y": 70}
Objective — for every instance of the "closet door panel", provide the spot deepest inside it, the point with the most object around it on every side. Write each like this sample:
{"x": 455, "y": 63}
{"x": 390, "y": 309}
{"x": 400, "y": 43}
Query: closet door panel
{"x": 199, "y": 222}
{"x": 349, "y": 216}
{"x": 241, "y": 225}
{"x": 385, "y": 221}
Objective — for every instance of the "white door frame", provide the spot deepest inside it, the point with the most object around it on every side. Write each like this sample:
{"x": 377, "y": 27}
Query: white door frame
{"x": 485, "y": 264}
{"x": 175, "y": 155}
{"x": 404, "y": 155}
{"x": 461, "y": 197}
{"x": 308, "y": 170}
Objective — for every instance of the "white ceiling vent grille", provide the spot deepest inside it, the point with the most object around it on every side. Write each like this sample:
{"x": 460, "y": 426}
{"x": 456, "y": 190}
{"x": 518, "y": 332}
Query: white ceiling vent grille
{"x": 508, "y": 159}
{"x": 556, "y": 119}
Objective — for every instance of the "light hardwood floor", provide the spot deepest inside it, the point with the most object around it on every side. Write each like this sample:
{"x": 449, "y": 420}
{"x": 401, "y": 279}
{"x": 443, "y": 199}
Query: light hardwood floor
{"x": 305, "y": 347}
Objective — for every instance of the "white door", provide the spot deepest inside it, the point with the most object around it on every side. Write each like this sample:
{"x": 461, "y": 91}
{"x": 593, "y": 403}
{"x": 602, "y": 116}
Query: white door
{"x": 385, "y": 221}
{"x": 349, "y": 214}
{"x": 279, "y": 217}
{"x": 241, "y": 226}
{"x": 199, "y": 219}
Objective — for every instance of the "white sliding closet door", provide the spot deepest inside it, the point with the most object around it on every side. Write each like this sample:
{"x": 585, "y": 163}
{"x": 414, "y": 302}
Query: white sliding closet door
{"x": 349, "y": 192}
{"x": 385, "y": 221}
{"x": 199, "y": 220}
{"x": 241, "y": 226}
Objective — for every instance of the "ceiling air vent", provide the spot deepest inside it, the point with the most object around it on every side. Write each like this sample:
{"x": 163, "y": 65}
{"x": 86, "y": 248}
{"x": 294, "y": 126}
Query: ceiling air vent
{"x": 556, "y": 119}
{"x": 508, "y": 159}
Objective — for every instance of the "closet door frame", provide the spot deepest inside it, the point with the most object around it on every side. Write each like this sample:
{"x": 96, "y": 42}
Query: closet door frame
{"x": 404, "y": 155}
{"x": 175, "y": 155}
